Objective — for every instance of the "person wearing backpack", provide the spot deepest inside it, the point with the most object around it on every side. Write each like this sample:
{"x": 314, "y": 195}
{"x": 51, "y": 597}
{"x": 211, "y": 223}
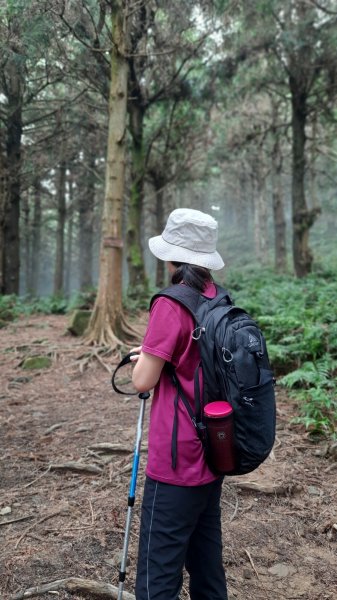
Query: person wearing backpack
{"x": 181, "y": 515}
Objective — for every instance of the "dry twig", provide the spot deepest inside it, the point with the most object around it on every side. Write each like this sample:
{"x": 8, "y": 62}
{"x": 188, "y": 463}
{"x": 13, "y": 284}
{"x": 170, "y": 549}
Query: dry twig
{"x": 34, "y": 525}
{"x": 251, "y": 562}
{"x": 16, "y": 520}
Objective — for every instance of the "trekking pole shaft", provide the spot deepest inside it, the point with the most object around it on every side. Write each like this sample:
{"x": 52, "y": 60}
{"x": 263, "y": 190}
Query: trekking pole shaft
{"x": 132, "y": 494}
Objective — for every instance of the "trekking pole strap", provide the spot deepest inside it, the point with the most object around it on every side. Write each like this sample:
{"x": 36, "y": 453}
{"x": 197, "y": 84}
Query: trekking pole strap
{"x": 124, "y": 361}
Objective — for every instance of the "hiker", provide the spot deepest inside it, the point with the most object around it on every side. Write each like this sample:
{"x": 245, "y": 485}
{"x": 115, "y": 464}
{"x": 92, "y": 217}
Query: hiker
{"x": 180, "y": 519}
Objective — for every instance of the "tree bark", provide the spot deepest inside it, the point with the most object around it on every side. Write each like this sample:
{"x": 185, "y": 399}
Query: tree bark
{"x": 260, "y": 216}
{"x": 3, "y": 203}
{"x": 86, "y": 221}
{"x": 135, "y": 259}
{"x": 160, "y": 266}
{"x": 26, "y": 238}
{"x": 61, "y": 218}
{"x": 302, "y": 218}
{"x": 107, "y": 326}
{"x": 280, "y": 246}
{"x": 138, "y": 282}
{"x": 36, "y": 238}
{"x": 69, "y": 250}
{"x": 13, "y": 149}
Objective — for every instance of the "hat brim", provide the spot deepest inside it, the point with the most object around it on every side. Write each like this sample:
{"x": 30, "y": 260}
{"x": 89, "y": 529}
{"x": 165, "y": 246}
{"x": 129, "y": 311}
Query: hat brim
{"x": 171, "y": 253}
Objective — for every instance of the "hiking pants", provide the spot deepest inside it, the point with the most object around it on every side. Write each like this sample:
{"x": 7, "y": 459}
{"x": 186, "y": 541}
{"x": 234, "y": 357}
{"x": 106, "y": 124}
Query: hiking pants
{"x": 180, "y": 526}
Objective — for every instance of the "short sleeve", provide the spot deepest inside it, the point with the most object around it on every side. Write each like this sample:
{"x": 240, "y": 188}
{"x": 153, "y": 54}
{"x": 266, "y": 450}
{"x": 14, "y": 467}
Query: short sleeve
{"x": 164, "y": 330}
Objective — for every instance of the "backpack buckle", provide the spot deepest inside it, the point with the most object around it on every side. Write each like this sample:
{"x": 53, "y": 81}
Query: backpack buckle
{"x": 196, "y": 333}
{"x": 227, "y": 355}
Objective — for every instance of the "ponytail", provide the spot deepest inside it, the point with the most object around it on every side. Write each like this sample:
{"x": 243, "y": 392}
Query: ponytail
{"x": 192, "y": 275}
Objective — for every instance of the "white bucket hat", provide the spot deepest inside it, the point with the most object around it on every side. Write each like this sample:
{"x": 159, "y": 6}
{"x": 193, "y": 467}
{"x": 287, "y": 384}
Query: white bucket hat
{"x": 189, "y": 236}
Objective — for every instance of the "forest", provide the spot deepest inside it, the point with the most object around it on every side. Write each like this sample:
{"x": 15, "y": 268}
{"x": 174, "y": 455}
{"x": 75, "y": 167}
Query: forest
{"x": 112, "y": 114}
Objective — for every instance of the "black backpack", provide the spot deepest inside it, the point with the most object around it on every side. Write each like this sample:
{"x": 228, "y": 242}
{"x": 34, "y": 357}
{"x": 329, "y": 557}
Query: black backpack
{"x": 236, "y": 368}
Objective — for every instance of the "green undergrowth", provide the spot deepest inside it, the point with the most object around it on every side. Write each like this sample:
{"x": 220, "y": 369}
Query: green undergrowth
{"x": 299, "y": 320}
{"x": 13, "y": 306}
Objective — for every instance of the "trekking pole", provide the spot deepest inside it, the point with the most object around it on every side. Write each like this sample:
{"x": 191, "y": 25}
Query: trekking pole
{"x": 143, "y": 396}
{"x": 132, "y": 493}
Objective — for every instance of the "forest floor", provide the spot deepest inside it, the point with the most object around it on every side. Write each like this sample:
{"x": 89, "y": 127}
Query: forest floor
{"x": 58, "y": 522}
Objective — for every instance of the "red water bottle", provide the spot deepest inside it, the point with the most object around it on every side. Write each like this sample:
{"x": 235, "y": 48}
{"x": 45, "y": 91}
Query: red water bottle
{"x": 220, "y": 436}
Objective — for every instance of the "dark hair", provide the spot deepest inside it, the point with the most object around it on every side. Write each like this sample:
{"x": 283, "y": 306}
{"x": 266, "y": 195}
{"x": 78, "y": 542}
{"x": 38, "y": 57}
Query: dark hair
{"x": 192, "y": 275}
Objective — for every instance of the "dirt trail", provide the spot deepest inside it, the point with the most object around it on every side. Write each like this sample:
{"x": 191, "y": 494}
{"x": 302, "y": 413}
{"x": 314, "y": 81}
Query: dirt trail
{"x": 279, "y": 523}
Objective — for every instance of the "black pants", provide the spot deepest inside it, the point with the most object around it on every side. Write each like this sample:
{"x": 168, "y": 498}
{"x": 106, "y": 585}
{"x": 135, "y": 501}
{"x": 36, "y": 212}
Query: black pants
{"x": 180, "y": 526}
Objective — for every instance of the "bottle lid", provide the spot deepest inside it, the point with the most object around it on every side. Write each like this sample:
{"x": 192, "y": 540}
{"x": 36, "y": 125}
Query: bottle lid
{"x": 217, "y": 409}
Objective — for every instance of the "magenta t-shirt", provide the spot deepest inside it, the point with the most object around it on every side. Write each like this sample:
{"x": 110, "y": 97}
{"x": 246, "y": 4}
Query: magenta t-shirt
{"x": 168, "y": 335}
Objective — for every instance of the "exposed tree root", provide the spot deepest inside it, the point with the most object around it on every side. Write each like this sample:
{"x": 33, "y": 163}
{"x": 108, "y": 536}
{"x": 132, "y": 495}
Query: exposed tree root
{"x": 77, "y": 467}
{"x": 75, "y": 584}
{"x": 111, "y": 330}
{"x": 269, "y": 488}
{"x": 132, "y": 330}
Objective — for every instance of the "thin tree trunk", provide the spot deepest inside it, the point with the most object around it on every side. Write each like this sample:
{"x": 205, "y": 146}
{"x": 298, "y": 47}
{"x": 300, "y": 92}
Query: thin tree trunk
{"x": 3, "y": 203}
{"x": 160, "y": 266}
{"x": 138, "y": 283}
{"x": 69, "y": 251}
{"x": 36, "y": 238}
{"x": 135, "y": 259}
{"x": 303, "y": 219}
{"x": 61, "y": 218}
{"x": 107, "y": 325}
{"x": 13, "y": 147}
{"x": 278, "y": 210}
{"x": 263, "y": 219}
{"x": 26, "y": 235}
{"x": 260, "y": 217}
{"x": 86, "y": 221}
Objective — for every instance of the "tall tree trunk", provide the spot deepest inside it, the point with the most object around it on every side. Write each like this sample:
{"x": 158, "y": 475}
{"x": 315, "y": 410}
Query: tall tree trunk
{"x": 13, "y": 147}
{"x": 3, "y": 203}
{"x": 61, "y": 219}
{"x": 303, "y": 219}
{"x": 160, "y": 264}
{"x": 36, "y": 238}
{"x": 280, "y": 245}
{"x": 260, "y": 217}
{"x": 86, "y": 221}
{"x": 69, "y": 251}
{"x": 138, "y": 282}
{"x": 107, "y": 322}
{"x": 26, "y": 235}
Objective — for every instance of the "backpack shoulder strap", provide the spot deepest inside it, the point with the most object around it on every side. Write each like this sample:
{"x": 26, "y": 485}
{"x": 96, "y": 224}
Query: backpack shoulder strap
{"x": 191, "y": 298}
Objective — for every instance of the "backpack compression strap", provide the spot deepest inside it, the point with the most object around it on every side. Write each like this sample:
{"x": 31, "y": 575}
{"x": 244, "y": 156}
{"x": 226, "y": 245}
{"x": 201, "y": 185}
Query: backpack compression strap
{"x": 195, "y": 417}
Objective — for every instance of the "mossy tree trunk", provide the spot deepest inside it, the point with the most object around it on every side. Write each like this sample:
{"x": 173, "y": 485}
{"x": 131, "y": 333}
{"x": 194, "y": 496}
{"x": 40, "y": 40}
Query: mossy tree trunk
{"x": 138, "y": 282}
{"x": 107, "y": 324}
{"x": 135, "y": 259}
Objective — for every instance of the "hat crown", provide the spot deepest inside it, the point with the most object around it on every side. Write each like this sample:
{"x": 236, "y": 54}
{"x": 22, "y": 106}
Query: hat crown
{"x": 191, "y": 229}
